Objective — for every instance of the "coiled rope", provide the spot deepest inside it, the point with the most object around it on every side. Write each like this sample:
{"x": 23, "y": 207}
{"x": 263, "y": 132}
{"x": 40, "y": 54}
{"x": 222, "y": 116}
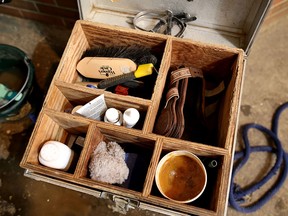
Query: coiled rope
{"x": 237, "y": 194}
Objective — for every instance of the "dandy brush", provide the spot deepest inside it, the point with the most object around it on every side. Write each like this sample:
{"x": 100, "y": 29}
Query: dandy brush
{"x": 142, "y": 70}
{"x": 106, "y": 62}
{"x": 104, "y": 67}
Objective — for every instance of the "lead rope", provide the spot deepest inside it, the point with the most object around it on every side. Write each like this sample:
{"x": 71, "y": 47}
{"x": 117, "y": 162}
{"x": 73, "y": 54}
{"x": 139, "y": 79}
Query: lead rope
{"x": 237, "y": 194}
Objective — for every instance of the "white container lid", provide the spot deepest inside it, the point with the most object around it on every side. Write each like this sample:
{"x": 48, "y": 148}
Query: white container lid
{"x": 112, "y": 115}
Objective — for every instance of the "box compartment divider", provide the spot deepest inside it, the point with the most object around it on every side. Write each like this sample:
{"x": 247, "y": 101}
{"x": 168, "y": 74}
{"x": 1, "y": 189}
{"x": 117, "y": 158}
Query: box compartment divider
{"x": 159, "y": 87}
{"x": 196, "y": 148}
{"x": 79, "y": 95}
{"x": 191, "y": 210}
{"x": 77, "y": 42}
{"x": 32, "y": 137}
{"x": 93, "y": 136}
{"x": 152, "y": 167}
{"x": 223, "y": 186}
{"x": 109, "y": 188}
{"x": 231, "y": 104}
{"x": 55, "y": 99}
{"x": 107, "y": 34}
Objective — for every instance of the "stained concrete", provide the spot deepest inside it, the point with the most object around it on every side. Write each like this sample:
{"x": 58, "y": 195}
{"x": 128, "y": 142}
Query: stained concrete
{"x": 264, "y": 90}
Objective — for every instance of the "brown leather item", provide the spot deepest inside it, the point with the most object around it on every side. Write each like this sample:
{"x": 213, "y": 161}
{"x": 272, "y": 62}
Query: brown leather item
{"x": 210, "y": 103}
{"x": 201, "y": 109}
{"x": 178, "y": 130}
{"x": 171, "y": 121}
{"x": 167, "y": 120}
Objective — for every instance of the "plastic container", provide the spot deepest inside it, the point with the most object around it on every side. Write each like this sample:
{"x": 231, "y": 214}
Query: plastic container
{"x": 130, "y": 117}
{"x": 16, "y": 74}
{"x": 181, "y": 176}
{"x": 56, "y": 155}
{"x": 113, "y": 116}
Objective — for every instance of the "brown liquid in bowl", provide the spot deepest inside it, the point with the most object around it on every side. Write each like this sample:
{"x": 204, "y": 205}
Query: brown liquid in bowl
{"x": 181, "y": 178}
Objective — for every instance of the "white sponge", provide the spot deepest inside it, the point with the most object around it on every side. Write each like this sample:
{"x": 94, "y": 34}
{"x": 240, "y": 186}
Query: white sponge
{"x": 107, "y": 163}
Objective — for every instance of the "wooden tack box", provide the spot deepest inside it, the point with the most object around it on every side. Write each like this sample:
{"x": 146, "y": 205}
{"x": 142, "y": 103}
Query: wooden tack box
{"x": 224, "y": 60}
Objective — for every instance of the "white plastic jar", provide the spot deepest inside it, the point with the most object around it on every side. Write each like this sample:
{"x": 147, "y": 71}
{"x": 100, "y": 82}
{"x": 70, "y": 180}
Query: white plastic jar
{"x": 56, "y": 155}
{"x": 130, "y": 117}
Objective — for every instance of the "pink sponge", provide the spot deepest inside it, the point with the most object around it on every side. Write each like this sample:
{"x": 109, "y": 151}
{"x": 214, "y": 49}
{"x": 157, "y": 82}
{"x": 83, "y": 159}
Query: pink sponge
{"x": 107, "y": 163}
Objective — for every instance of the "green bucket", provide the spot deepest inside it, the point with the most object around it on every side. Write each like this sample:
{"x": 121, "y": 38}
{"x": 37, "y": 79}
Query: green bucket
{"x": 17, "y": 75}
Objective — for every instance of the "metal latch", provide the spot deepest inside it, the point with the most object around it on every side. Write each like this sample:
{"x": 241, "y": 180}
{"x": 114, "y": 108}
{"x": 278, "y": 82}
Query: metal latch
{"x": 122, "y": 204}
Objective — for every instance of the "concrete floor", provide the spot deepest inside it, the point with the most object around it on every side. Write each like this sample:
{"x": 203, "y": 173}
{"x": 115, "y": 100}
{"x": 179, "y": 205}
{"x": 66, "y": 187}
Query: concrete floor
{"x": 265, "y": 88}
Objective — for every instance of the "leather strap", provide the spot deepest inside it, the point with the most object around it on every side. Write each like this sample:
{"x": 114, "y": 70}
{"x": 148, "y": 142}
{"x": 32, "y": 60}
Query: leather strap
{"x": 171, "y": 121}
{"x": 179, "y": 129}
{"x": 200, "y": 111}
{"x": 167, "y": 119}
{"x": 210, "y": 104}
{"x": 171, "y": 94}
{"x": 196, "y": 72}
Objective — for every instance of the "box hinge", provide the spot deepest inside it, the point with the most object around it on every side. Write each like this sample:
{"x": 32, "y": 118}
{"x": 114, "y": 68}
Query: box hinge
{"x": 122, "y": 204}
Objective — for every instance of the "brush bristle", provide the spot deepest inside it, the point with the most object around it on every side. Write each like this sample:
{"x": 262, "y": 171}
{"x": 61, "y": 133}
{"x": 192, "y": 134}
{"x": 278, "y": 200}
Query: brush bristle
{"x": 147, "y": 59}
{"x": 137, "y": 53}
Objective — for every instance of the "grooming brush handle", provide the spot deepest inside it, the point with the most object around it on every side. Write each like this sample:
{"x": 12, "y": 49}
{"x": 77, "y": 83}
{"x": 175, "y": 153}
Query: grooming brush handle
{"x": 115, "y": 80}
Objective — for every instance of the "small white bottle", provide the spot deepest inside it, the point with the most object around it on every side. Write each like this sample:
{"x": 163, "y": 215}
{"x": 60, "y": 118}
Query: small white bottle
{"x": 130, "y": 117}
{"x": 113, "y": 116}
{"x": 56, "y": 155}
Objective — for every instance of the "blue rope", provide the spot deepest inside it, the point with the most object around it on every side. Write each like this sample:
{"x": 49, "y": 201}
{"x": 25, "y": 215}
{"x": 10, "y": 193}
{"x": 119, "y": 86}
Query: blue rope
{"x": 237, "y": 194}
